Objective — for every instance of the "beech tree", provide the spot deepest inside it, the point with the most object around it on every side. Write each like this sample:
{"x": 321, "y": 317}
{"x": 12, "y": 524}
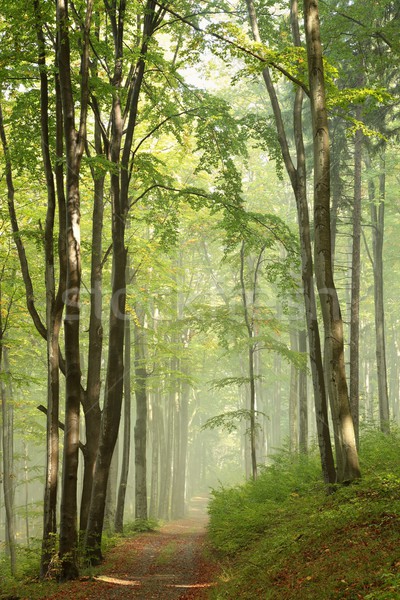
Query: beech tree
{"x": 297, "y": 175}
{"x": 347, "y": 457}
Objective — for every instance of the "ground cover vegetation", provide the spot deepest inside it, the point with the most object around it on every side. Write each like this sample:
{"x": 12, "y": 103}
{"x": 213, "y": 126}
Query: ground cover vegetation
{"x": 283, "y": 536}
{"x": 198, "y": 259}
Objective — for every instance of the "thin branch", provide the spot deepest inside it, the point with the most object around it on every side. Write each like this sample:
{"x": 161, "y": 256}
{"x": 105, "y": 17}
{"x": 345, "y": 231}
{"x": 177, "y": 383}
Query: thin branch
{"x": 376, "y": 34}
{"x": 238, "y": 47}
{"x": 61, "y": 425}
{"x": 159, "y": 125}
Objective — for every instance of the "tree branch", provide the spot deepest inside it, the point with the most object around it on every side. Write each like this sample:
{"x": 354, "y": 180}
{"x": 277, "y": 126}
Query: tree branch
{"x": 61, "y": 425}
{"x": 238, "y": 47}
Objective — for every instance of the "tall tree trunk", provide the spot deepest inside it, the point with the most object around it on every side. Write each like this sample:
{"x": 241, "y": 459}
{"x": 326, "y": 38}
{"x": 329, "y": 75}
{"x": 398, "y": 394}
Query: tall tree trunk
{"x": 176, "y": 455}
{"x": 120, "y": 179}
{"x": 8, "y": 454}
{"x": 54, "y": 305}
{"x": 274, "y": 431}
{"x": 378, "y": 224}
{"x": 155, "y": 424}
{"x": 26, "y": 495}
{"x": 395, "y": 376}
{"x": 355, "y": 285}
{"x": 251, "y": 374}
{"x": 303, "y": 404}
{"x": 140, "y": 432}
{"x": 336, "y": 185}
{"x": 91, "y": 397}
{"x": 113, "y": 398}
{"x": 181, "y": 440}
{"x": 111, "y": 494}
{"x": 54, "y": 302}
{"x": 294, "y": 399}
{"x": 166, "y": 443}
{"x": 297, "y": 177}
{"x": 347, "y": 456}
{"x": 74, "y": 147}
{"x": 126, "y": 450}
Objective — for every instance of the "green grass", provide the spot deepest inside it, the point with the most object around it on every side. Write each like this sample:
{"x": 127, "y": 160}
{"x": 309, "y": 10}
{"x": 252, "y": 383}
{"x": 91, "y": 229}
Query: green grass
{"x": 284, "y": 537}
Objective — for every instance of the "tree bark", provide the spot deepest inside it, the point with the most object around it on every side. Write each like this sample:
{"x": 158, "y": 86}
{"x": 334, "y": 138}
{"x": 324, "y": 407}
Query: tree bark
{"x": 155, "y": 454}
{"x": 181, "y": 437}
{"x": 294, "y": 399}
{"x": 91, "y": 397}
{"x": 378, "y": 227}
{"x": 250, "y": 361}
{"x": 74, "y": 147}
{"x": 303, "y": 404}
{"x": 140, "y": 432}
{"x": 297, "y": 177}
{"x": 166, "y": 445}
{"x": 54, "y": 302}
{"x": 126, "y": 450}
{"x": 8, "y": 454}
{"x": 120, "y": 177}
{"x": 347, "y": 457}
{"x": 355, "y": 285}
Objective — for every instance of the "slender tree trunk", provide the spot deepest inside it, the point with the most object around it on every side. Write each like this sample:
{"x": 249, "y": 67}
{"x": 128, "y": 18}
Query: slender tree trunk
{"x": 303, "y": 405}
{"x": 275, "y": 407}
{"x": 91, "y": 398}
{"x": 140, "y": 433}
{"x": 294, "y": 399}
{"x": 166, "y": 442}
{"x": 120, "y": 179}
{"x": 297, "y": 177}
{"x": 126, "y": 450}
{"x": 181, "y": 442}
{"x": 155, "y": 425}
{"x": 336, "y": 187}
{"x": 355, "y": 285}
{"x": 378, "y": 224}
{"x": 176, "y": 455}
{"x": 54, "y": 302}
{"x": 111, "y": 494}
{"x": 347, "y": 457}
{"x": 251, "y": 374}
{"x": 8, "y": 455}
{"x": 112, "y": 402}
{"x": 74, "y": 147}
{"x": 26, "y": 499}
{"x": 395, "y": 376}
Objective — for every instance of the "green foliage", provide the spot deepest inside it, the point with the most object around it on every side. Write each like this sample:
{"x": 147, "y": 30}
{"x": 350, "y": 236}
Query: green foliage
{"x": 28, "y": 559}
{"x": 283, "y": 535}
{"x": 227, "y": 421}
{"x": 140, "y": 526}
{"x": 240, "y": 514}
{"x": 262, "y": 134}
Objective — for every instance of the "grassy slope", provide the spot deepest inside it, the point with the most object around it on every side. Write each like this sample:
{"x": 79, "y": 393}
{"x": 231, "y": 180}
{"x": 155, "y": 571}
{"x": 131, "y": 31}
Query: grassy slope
{"x": 284, "y": 537}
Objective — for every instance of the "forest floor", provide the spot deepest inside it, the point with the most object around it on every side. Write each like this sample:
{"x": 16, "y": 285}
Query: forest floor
{"x": 171, "y": 563}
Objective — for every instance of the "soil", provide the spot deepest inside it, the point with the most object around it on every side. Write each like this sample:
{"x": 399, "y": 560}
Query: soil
{"x": 171, "y": 563}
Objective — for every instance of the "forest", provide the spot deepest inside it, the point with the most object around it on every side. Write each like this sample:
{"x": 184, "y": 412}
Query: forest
{"x": 199, "y": 208}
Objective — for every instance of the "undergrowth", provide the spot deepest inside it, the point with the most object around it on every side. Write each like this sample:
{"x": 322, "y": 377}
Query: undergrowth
{"x": 284, "y": 536}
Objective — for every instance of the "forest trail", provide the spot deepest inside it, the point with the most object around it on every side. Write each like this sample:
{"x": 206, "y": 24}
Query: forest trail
{"x": 168, "y": 564}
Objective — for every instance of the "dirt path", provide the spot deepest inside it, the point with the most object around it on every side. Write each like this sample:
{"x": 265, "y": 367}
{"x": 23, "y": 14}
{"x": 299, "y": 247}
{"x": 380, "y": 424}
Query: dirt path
{"x": 169, "y": 564}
